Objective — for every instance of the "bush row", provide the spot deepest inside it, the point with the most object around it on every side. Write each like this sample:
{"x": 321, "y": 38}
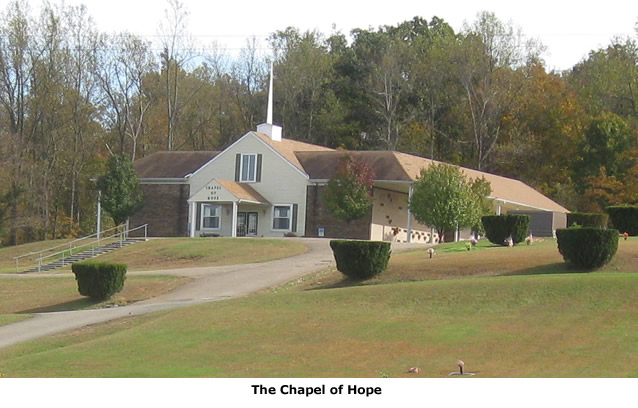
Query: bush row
{"x": 99, "y": 280}
{"x": 498, "y": 228}
{"x": 361, "y": 259}
{"x": 624, "y": 218}
{"x": 587, "y": 247}
{"x": 596, "y": 220}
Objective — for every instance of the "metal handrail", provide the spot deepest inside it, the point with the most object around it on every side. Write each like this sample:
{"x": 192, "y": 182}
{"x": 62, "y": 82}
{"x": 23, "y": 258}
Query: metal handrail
{"x": 122, "y": 235}
{"x": 66, "y": 244}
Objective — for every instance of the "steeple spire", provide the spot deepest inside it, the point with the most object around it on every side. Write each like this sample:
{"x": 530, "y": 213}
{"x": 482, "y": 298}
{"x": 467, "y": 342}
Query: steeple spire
{"x": 269, "y": 115}
{"x": 268, "y": 128}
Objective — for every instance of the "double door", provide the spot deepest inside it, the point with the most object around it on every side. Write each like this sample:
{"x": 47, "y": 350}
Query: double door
{"x": 247, "y": 224}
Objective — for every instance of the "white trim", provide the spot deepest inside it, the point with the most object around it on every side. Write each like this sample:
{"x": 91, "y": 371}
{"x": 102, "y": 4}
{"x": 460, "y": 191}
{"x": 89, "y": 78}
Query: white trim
{"x": 241, "y": 167}
{"x": 220, "y": 154}
{"x": 253, "y": 134}
{"x": 233, "y": 223}
{"x": 201, "y": 217}
{"x": 272, "y": 217}
{"x": 163, "y": 181}
{"x": 505, "y": 201}
{"x": 192, "y": 214}
{"x": 280, "y": 155}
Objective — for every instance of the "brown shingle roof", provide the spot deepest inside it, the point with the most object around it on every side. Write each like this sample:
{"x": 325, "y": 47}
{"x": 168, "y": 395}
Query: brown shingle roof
{"x": 242, "y": 191}
{"x": 288, "y": 147}
{"x": 396, "y": 166}
{"x": 323, "y": 165}
{"x": 171, "y": 164}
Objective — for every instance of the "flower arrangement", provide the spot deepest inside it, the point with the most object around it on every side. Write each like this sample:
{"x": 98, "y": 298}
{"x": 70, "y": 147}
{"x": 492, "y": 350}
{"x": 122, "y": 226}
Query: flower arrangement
{"x": 468, "y": 245}
{"x": 529, "y": 240}
{"x": 625, "y": 235}
{"x": 509, "y": 242}
{"x": 431, "y": 252}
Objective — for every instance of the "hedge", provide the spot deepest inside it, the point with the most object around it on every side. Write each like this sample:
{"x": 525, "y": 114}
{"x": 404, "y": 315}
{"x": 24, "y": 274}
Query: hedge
{"x": 99, "y": 280}
{"x": 624, "y": 218}
{"x": 596, "y": 220}
{"x": 588, "y": 247}
{"x": 498, "y": 228}
{"x": 361, "y": 259}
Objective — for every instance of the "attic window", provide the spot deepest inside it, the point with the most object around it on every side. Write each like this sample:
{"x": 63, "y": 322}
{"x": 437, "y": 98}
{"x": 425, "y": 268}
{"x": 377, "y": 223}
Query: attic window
{"x": 248, "y": 168}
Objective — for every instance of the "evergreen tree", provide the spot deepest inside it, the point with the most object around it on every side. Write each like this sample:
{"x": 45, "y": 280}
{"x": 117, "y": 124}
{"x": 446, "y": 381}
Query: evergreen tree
{"x": 120, "y": 189}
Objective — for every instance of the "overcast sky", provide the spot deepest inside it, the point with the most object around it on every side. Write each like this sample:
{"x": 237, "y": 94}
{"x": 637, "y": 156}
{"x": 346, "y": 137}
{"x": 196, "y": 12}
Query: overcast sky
{"x": 569, "y": 30}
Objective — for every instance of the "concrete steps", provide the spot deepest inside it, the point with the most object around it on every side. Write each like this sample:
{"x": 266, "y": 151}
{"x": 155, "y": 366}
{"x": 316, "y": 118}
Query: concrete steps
{"x": 83, "y": 255}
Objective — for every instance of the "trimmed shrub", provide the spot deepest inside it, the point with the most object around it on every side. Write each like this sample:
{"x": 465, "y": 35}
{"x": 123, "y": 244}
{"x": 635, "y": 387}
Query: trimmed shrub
{"x": 624, "y": 218}
{"x": 99, "y": 280}
{"x": 588, "y": 248}
{"x": 500, "y": 227}
{"x": 595, "y": 220}
{"x": 361, "y": 259}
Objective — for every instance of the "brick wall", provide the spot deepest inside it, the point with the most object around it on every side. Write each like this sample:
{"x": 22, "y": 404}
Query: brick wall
{"x": 318, "y": 217}
{"x": 165, "y": 210}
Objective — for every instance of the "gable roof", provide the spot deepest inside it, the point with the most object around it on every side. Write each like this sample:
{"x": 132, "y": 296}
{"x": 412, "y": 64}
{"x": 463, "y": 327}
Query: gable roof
{"x": 242, "y": 191}
{"x": 396, "y": 166}
{"x": 175, "y": 164}
{"x": 288, "y": 148}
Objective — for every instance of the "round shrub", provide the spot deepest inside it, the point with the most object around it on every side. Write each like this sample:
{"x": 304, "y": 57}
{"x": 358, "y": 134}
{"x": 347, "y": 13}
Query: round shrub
{"x": 99, "y": 280}
{"x": 587, "y": 248}
{"x": 624, "y": 218}
{"x": 500, "y": 227}
{"x": 361, "y": 259}
{"x": 596, "y": 220}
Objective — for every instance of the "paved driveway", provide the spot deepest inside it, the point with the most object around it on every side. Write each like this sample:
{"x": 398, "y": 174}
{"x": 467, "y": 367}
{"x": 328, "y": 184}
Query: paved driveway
{"x": 208, "y": 284}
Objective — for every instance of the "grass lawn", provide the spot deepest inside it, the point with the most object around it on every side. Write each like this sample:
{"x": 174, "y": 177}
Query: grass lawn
{"x": 537, "y": 319}
{"x": 20, "y": 296}
{"x": 168, "y": 253}
{"x": 8, "y": 264}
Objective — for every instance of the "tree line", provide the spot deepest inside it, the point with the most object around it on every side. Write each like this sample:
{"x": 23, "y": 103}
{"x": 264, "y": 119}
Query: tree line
{"x": 72, "y": 96}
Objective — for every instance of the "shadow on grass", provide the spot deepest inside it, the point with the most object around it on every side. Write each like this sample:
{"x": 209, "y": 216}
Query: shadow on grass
{"x": 77, "y": 304}
{"x": 343, "y": 283}
{"x": 549, "y": 269}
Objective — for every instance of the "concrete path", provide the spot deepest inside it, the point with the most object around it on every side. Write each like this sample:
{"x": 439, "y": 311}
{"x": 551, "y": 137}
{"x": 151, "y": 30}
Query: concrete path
{"x": 208, "y": 284}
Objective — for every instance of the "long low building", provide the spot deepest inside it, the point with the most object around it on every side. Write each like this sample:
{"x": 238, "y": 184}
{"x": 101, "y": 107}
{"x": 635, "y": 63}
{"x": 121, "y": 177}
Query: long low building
{"x": 268, "y": 186}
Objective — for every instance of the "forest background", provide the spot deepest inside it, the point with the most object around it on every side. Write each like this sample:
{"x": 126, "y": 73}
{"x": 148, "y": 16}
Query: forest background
{"x": 72, "y": 96}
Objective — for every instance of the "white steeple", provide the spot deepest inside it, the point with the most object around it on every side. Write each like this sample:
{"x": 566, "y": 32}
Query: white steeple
{"x": 272, "y": 131}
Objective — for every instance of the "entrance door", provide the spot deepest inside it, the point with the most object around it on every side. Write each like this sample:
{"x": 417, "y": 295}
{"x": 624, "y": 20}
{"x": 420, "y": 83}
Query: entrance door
{"x": 247, "y": 224}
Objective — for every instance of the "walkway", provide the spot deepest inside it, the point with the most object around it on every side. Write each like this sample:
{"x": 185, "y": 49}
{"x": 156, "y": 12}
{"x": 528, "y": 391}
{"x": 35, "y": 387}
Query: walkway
{"x": 208, "y": 284}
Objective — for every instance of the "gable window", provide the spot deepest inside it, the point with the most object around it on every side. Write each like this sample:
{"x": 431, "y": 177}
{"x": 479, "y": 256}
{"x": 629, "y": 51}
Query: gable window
{"x": 282, "y": 215}
{"x": 248, "y": 168}
{"x": 211, "y": 216}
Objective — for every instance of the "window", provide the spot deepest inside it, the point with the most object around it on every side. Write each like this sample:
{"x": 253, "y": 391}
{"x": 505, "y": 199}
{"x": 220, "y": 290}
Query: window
{"x": 211, "y": 216}
{"x": 281, "y": 218}
{"x": 248, "y": 168}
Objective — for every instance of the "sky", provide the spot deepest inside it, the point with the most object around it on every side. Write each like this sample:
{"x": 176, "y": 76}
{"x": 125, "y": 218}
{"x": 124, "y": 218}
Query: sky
{"x": 568, "y": 30}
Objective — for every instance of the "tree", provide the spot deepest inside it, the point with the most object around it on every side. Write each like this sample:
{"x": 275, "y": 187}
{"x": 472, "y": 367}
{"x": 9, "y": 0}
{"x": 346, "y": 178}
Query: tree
{"x": 607, "y": 137}
{"x": 120, "y": 189}
{"x": 347, "y": 195}
{"x": 445, "y": 199}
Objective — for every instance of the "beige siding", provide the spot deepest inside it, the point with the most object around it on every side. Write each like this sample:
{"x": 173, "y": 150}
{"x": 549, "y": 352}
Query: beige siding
{"x": 281, "y": 182}
{"x": 390, "y": 219}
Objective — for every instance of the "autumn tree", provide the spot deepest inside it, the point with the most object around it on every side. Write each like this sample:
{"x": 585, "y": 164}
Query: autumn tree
{"x": 348, "y": 194}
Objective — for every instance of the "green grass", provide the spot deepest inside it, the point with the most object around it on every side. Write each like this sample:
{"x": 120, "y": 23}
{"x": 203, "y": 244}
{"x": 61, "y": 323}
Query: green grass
{"x": 192, "y": 252}
{"x": 511, "y": 322}
{"x": 527, "y": 326}
{"x": 168, "y": 253}
{"x": 19, "y": 295}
